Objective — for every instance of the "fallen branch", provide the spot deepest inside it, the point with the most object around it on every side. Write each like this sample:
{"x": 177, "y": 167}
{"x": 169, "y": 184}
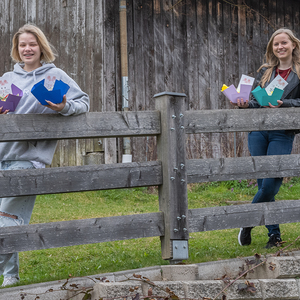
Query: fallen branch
{"x": 240, "y": 276}
{"x": 281, "y": 250}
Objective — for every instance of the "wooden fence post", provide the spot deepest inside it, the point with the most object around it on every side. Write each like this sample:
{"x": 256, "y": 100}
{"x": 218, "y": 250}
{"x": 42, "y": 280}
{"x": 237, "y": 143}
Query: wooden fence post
{"x": 173, "y": 192}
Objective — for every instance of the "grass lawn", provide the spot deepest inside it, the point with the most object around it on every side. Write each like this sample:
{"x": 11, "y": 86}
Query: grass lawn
{"x": 53, "y": 264}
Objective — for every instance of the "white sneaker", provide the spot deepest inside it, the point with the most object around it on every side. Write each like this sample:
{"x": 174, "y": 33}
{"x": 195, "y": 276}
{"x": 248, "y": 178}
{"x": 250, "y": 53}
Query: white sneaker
{"x": 10, "y": 281}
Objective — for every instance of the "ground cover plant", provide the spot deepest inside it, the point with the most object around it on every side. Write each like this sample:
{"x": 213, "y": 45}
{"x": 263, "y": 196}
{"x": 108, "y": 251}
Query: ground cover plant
{"x": 84, "y": 260}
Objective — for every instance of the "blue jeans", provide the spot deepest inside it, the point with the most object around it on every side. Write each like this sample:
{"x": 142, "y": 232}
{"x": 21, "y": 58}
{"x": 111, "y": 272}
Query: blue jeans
{"x": 21, "y": 207}
{"x": 277, "y": 142}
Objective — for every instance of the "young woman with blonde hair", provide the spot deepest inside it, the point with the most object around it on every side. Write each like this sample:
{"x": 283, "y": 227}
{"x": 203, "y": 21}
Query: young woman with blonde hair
{"x": 283, "y": 58}
{"x": 33, "y": 55}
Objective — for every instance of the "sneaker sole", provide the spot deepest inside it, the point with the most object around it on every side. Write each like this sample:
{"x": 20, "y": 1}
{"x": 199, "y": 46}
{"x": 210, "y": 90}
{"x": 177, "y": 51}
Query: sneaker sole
{"x": 239, "y": 237}
{"x": 10, "y": 283}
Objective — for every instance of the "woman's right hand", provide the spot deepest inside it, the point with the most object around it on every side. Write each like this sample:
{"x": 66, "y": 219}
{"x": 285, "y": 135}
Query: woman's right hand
{"x": 3, "y": 112}
{"x": 241, "y": 103}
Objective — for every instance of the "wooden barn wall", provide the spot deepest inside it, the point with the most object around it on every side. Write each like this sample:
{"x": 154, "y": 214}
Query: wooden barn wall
{"x": 86, "y": 36}
{"x": 193, "y": 47}
{"x": 189, "y": 46}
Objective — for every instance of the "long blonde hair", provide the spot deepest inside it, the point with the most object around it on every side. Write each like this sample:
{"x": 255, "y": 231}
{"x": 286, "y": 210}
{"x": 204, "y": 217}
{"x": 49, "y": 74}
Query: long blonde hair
{"x": 48, "y": 52}
{"x": 272, "y": 61}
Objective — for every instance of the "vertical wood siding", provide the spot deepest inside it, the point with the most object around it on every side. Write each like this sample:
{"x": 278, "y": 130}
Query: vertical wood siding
{"x": 86, "y": 36}
{"x": 194, "y": 46}
{"x": 189, "y": 46}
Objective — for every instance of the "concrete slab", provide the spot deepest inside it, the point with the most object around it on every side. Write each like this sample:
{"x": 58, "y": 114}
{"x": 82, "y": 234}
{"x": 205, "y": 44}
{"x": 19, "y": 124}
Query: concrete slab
{"x": 200, "y": 289}
{"x": 216, "y": 269}
{"x": 164, "y": 289}
{"x": 152, "y": 273}
{"x": 43, "y": 289}
{"x": 120, "y": 290}
{"x": 192, "y": 281}
{"x": 279, "y": 289}
{"x": 180, "y": 272}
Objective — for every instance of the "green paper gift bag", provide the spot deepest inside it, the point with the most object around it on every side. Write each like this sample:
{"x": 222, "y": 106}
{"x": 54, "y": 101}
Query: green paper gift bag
{"x": 263, "y": 98}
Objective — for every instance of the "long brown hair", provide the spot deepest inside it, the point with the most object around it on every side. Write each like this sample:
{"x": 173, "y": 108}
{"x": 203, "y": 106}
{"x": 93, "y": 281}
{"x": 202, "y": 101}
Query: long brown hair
{"x": 272, "y": 61}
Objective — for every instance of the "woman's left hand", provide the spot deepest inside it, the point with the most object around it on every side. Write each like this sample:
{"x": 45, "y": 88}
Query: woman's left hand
{"x": 57, "y": 107}
{"x": 275, "y": 106}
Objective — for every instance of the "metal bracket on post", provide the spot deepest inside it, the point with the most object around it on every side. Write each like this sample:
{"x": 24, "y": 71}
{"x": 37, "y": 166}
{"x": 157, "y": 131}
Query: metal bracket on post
{"x": 180, "y": 250}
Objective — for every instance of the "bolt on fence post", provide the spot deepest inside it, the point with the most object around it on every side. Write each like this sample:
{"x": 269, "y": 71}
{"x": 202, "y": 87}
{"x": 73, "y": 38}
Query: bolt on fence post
{"x": 173, "y": 200}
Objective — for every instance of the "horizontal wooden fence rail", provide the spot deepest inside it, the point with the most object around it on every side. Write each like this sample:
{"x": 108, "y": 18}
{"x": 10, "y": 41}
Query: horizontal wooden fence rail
{"x": 89, "y": 125}
{"x": 230, "y": 120}
{"x": 78, "y": 179}
{"x": 224, "y": 169}
{"x": 79, "y": 232}
{"x": 114, "y": 176}
{"x": 246, "y": 215}
{"x": 142, "y": 123}
{"x": 97, "y": 230}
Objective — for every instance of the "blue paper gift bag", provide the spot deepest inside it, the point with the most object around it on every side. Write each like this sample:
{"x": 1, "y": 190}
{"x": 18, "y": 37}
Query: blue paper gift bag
{"x": 41, "y": 93}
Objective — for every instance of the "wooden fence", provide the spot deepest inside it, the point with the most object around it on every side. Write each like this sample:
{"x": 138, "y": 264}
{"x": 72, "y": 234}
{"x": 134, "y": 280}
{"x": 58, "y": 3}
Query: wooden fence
{"x": 170, "y": 123}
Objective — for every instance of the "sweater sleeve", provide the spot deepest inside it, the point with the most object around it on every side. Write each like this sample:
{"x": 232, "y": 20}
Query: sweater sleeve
{"x": 78, "y": 102}
{"x": 290, "y": 102}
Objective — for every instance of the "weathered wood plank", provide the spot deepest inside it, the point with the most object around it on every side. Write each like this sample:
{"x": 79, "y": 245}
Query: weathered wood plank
{"x": 296, "y": 20}
{"x": 288, "y": 15}
{"x": 193, "y": 42}
{"x": 5, "y": 31}
{"x": 140, "y": 34}
{"x": 242, "y": 39}
{"x": 70, "y": 34}
{"x": 224, "y": 169}
{"x": 79, "y": 232}
{"x": 246, "y": 215}
{"x": 98, "y": 55}
{"x": 98, "y": 61}
{"x": 158, "y": 24}
{"x": 71, "y": 179}
{"x": 75, "y": 179}
{"x": 108, "y": 124}
{"x": 111, "y": 14}
{"x": 149, "y": 71}
{"x": 171, "y": 152}
{"x": 179, "y": 45}
{"x": 202, "y": 141}
{"x": 229, "y": 120}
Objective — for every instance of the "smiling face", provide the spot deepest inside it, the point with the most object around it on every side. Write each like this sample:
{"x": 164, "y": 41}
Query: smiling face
{"x": 283, "y": 47}
{"x": 29, "y": 51}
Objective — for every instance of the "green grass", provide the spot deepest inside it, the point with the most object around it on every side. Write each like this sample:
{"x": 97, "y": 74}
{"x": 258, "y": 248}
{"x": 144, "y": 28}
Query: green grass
{"x": 84, "y": 260}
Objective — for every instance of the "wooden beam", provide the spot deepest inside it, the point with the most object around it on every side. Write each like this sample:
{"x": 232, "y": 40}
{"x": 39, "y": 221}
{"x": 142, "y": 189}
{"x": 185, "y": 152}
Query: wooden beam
{"x": 171, "y": 152}
{"x": 143, "y": 123}
{"x": 224, "y": 169}
{"x": 75, "y": 179}
{"x": 97, "y": 230}
{"x": 79, "y": 232}
{"x": 230, "y": 120}
{"x": 246, "y": 215}
{"x": 89, "y": 125}
{"x": 99, "y": 177}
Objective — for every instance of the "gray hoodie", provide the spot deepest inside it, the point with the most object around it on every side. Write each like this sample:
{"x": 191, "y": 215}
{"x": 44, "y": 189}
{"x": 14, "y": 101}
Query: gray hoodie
{"x": 77, "y": 103}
